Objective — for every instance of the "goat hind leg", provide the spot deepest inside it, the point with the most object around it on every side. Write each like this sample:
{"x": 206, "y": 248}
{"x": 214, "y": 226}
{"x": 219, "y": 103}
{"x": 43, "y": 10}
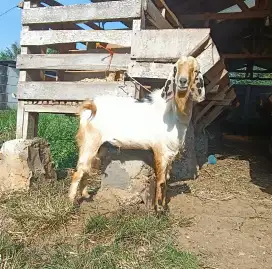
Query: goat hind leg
{"x": 83, "y": 169}
{"x": 160, "y": 170}
{"x": 74, "y": 184}
{"x": 95, "y": 164}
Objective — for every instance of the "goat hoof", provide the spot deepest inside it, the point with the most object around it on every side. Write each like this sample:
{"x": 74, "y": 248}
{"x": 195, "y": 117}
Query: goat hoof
{"x": 71, "y": 198}
{"x": 159, "y": 209}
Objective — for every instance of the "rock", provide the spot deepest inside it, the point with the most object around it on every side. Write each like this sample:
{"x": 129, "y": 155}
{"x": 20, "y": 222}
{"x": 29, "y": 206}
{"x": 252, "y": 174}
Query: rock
{"x": 201, "y": 148}
{"x": 128, "y": 175}
{"x": 24, "y": 161}
{"x": 185, "y": 166}
{"x": 192, "y": 157}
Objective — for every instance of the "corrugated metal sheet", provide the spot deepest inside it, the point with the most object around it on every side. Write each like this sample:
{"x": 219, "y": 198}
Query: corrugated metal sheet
{"x": 9, "y": 76}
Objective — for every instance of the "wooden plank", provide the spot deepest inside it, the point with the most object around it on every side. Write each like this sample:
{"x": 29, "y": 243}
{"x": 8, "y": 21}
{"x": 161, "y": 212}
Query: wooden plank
{"x": 41, "y": 38}
{"x": 161, "y": 70}
{"x": 208, "y": 58}
{"x": 215, "y": 70}
{"x": 246, "y": 56}
{"x": 216, "y": 80}
{"x": 55, "y": 3}
{"x": 169, "y": 14}
{"x": 203, "y": 111}
{"x": 225, "y": 16}
{"x": 220, "y": 95}
{"x": 66, "y": 109}
{"x": 156, "y": 18}
{"x": 165, "y": 45}
{"x": 215, "y": 112}
{"x": 97, "y": 61}
{"x": 201, "y": 46}
{"x": 26, "y": 123}
{"x": 111, "y": 11}
{"x": 72, "y": 90}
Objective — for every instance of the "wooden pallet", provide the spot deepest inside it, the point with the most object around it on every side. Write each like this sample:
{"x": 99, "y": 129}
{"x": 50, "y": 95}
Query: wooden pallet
{"x": 140, "y": 50}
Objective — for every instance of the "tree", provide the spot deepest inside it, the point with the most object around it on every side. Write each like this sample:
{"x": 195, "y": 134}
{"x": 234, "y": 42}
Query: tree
{"x": 10, "y": 53}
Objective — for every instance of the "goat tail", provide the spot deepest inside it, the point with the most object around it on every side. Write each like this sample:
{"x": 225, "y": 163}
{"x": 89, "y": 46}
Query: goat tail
{"x": 87, "y": 111}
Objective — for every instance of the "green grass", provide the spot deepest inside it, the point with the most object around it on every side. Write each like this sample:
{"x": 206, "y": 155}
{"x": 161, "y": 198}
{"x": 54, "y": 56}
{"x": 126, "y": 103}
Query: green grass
{"x": 58, "y": 130}
{"x": 43, "y": 208}
{"x": 7, "y": 125}
{"x": 130, "y": 238}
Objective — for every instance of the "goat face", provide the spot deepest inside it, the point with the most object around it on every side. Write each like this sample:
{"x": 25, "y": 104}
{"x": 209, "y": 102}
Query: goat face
{"x": 185, "y": 81}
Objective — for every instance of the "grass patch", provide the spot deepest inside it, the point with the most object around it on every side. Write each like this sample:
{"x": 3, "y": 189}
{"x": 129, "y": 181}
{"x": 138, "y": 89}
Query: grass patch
{"x": 137, "y": 240}
{"x": 11, "y": 252}
{"x": 129, "y": 239}
{"x": 7, "y": 125}
{"x": 44, "y": 208}
{"x": 58, "y": 130}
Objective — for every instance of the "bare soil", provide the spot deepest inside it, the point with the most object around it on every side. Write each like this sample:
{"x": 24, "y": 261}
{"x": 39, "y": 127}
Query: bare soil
{"x": 231, "y": 209}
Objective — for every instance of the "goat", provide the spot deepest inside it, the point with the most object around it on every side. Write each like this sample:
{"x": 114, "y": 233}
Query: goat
{"x": 158, "y": 123}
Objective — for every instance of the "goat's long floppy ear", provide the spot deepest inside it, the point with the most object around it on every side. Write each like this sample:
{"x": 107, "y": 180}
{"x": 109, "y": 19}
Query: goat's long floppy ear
{"x": 199, "y": 87}
{"x": 170, "y": 85}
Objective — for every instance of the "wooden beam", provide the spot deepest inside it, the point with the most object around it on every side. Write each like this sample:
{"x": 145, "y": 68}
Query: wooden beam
{"x": 206, "y": 59}
{"x": 203, "y": 111}
{"x": 107, "y": 11}
{"x": 245, "y": 56}
{"x": 66, "y": 109}
{"x": 41, "y": 38}
{"x": 156, "y": 18}
{"x": 214, "y": 113}
{"x": 55, "y": 3}
{"x": 220, "y": 95}
{"x": 169, "y": 14}
{"x": 26, "y": 123}
{"x": 165, "y": 45}
{"x": 96, "y": 61}
{"x": 242, "y": 5}
{"x": 216, "y": 80}
{"x": 225, "y": 16}
{"x": 75, "y": 91}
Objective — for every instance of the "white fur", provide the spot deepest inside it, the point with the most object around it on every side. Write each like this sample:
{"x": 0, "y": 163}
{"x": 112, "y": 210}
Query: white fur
{"x": 124, "y": 121}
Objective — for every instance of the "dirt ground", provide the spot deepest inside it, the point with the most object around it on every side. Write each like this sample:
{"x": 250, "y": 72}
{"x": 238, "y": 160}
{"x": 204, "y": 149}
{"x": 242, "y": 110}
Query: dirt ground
{"x": 231, "y": 209}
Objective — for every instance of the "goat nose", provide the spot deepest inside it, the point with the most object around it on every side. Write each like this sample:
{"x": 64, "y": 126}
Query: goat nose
{"x": 183, "y": 81}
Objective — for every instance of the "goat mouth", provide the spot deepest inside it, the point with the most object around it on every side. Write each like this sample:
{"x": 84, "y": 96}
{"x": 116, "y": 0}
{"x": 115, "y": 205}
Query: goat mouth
{"x": 182, "y": 88}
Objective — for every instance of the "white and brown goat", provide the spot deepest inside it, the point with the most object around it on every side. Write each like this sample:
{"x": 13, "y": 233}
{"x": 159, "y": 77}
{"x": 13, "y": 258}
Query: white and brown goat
{"x": 159, "y": 123}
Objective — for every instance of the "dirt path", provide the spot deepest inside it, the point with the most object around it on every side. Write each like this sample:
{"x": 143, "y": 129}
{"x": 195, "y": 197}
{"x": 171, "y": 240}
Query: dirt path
{"x": 231, "y": 209}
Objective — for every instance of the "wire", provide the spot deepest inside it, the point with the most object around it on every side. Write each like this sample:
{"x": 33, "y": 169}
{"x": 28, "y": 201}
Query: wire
{"x": 2, "y": 14}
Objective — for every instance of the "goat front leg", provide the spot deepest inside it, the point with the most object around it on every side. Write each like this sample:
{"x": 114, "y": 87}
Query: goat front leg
{"x": 84, "y": 167}
{"x": 161, "y": 164}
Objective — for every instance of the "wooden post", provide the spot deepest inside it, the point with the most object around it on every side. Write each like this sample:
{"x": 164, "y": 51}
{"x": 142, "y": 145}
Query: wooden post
{"x": 27, "y": 122}
{"x": 136, "y": 26}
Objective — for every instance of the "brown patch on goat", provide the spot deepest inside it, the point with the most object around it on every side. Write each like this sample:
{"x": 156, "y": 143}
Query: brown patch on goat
{"x": 89, "y": 141}
{"x": 181, "y": 101}
{"x": 160, "y": 171}
{"x": 88, "y": 105}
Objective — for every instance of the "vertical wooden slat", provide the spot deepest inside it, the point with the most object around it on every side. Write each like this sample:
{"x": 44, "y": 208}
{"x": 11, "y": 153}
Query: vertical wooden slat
{"x": 139, "y": 25}
{"x": 27, "y": 122}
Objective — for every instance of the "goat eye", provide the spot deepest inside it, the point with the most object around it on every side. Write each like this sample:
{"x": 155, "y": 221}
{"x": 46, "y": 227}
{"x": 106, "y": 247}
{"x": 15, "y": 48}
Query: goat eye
{"x": 175, "y": 71}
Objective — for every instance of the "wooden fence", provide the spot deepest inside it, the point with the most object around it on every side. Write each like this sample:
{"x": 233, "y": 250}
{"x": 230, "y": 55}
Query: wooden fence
{"x": 146, "y": 49}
